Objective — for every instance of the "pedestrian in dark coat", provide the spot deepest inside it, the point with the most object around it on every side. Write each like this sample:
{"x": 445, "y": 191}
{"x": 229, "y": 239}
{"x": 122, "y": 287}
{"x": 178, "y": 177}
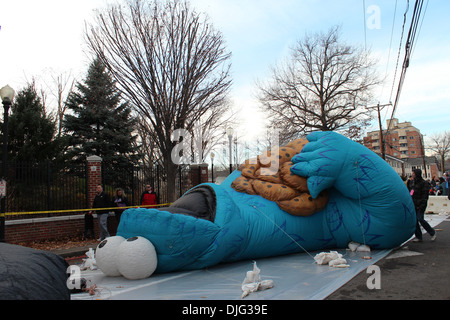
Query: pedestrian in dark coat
{"x": 419, "y": 190}
{"x": 102, "y": 200}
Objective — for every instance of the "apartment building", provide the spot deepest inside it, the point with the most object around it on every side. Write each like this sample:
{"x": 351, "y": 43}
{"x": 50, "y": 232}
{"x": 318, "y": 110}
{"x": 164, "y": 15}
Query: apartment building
{"x": 402, "y": 141}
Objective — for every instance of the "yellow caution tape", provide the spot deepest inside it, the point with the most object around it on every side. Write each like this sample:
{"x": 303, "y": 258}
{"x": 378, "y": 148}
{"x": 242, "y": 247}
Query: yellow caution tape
{"x": 81, "y": 210}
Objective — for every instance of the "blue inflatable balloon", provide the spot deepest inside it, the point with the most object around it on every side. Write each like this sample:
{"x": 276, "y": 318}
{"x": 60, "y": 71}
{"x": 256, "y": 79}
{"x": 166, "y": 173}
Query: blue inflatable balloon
{"x": 368, "y": 203}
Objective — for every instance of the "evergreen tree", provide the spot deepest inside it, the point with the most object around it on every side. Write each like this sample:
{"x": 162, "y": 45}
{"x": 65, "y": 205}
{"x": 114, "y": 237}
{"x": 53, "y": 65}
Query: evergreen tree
{"x": 101, "y": 124}
{"x": 30, "y": 130}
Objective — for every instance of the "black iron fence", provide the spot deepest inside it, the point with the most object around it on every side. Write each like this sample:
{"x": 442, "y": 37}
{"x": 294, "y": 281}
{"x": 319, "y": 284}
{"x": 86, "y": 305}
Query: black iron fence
{"x": 45, "y": 187}
{"x": 134, "y": 179}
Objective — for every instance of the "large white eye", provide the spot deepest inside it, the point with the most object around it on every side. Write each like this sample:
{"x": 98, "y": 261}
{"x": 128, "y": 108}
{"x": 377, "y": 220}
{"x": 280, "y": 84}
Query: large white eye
{"x": 136, "y": 258}
{"x": 106, "y": 255}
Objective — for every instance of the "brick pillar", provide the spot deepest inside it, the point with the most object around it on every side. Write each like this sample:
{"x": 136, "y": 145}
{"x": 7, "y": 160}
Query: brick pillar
{"x": 94, "y": 176}
{"x": 198, "y": 173}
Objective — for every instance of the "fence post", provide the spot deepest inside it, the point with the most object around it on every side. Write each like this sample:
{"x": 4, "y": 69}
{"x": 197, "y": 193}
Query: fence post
{"x": 198, "y": 173}
{"x": 94, "y": 175}
{"x": 48, "y": 188}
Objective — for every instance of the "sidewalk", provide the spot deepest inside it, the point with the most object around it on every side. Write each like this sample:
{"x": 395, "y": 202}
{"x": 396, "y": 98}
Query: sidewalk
{"x": 72, "y": 253}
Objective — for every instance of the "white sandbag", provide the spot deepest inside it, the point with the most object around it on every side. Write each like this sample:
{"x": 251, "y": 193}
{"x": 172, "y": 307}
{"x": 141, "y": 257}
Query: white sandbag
{"x": 363, "y": 248}
{"x": 338, "y": 263}
{"x": 325, "y": 257}
{"x": 89, "y": 262}
{"x": 332, "y": 258}
{"x": 253, "y": 283}
{"x": 358, "y": 247}
{"x": 353, "y": 246}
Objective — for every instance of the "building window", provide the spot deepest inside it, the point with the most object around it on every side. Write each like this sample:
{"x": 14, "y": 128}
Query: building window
{"x": 411, "y": 137}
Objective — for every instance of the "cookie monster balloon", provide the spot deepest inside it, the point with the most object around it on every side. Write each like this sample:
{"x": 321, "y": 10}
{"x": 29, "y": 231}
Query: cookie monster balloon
{"x": 317, "y": 194}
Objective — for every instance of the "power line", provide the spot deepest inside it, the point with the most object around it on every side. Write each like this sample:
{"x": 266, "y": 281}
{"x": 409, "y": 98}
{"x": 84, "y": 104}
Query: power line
{"x": 392, "y": 35}
{"x": 410, "y": 43}
{"x": 389, "y": 54}
{"x": 399, "y": 49}
{"x": 364, "y": 25}
{"x": 420, "y": 28}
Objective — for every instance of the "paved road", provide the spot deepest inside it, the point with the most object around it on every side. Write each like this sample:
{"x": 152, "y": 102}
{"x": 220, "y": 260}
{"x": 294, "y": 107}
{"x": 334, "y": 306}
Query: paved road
{"x": 423, "y": 272}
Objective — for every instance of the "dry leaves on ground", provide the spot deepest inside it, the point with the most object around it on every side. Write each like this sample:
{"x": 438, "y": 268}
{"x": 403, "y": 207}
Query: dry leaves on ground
{"x": 66, "y": 243}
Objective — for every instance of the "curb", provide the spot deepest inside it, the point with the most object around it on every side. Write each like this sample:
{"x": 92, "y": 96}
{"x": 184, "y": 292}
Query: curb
{"x": 73, "y": 252}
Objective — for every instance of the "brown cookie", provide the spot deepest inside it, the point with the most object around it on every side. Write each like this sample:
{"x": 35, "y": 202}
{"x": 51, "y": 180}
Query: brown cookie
{"x": 276, "y": 157}
{"x": 243, "y": 184}
{"x": 248, "y": 162}
{"x": 268, "y": 175}
{"x": 297, "y": 145}
{"x": 304, "y": 205}
{"x": 248, "y": 168}
{"x": 291, "y": 179}
{"x": 274, "y": 191}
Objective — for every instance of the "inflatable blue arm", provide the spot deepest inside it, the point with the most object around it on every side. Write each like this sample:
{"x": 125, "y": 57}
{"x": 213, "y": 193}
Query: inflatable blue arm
{"x": 368, "y": 200}
{"x": 368, "y": 203}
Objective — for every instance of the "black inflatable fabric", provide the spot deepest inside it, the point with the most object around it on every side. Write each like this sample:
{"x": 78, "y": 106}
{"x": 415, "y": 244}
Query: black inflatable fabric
{"x": 199, "y": 202}
{"x": 29, "y": 274}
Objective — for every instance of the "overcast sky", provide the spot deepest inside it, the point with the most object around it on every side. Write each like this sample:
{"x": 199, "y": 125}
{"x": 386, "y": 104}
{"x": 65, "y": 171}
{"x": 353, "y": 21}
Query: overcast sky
{"x": 43, "y": 37}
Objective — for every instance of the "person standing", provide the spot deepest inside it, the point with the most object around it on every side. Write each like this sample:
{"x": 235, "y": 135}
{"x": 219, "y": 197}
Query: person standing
{"x": 120, "y": 201}
{"x": 445, "y": 186}
{"x": 149, "y": 197}
{"x": 418, "y": 189}
{"x": 102, "y": 200}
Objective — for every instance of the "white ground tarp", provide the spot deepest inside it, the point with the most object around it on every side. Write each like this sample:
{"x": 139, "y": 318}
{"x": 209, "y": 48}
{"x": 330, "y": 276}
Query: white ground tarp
{"x": 295, "y": 277}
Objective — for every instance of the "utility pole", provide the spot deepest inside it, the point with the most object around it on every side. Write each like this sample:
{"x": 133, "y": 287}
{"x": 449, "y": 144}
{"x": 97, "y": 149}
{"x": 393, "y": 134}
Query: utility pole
{"x": 382, "y": 142}
{"x": 422, "y": 150}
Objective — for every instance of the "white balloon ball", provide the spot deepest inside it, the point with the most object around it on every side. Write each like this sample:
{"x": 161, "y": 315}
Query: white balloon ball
{"x": 106, "y": 255}
{"x": 136, "y": 258}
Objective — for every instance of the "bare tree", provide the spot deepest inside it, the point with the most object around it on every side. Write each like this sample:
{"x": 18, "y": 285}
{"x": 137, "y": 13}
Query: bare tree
{"x": 323, "y": 86}
{"x": 209, "y": 132}
{"x": 169, "y": 62}
{"x": 440, "y": 145}
{"x": 64, "y": 86}
{"x": 148, "y": 148}
{"x": 55, "y": 91}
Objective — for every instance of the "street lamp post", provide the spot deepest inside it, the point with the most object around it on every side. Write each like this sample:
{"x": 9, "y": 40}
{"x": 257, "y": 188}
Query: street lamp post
{"x": 7, "y": 96}
{"x": 212, "y": 155}
{"x": 230, "y": 132}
